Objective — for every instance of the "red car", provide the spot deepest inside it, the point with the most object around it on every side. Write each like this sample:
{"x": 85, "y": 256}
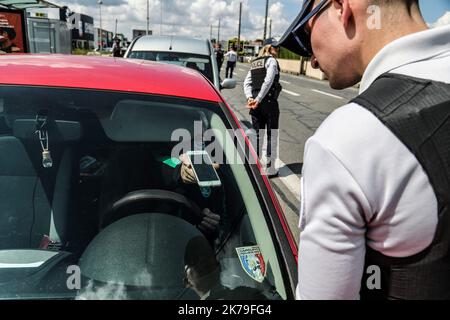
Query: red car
{"x": 101, "y": 198}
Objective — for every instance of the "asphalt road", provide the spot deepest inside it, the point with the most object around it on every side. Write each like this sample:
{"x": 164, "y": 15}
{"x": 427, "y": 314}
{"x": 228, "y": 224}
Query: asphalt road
{"x": 304, "y": 105}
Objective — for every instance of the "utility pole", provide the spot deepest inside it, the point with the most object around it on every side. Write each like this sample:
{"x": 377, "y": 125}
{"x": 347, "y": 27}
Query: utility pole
{"x": 148, "y": 17}
{"x": 115, "y": 30}
{"x": 265, "y": 20}
{"x": 218, "y": 33}
{"x": 161, "y": 24}
{"x": 239, "y": 31}
{"x": 100, "y": 2}
{"x": 270, "y": 29}
{"x": 210, "y": 33}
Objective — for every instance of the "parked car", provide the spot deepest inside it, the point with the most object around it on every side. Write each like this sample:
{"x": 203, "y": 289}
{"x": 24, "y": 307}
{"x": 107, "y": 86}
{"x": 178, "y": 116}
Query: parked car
{"x": 194, "y": 53}
{"x": 91, "y": 201}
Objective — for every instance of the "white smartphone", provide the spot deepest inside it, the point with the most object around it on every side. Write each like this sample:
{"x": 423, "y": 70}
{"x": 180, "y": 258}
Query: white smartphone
{"x": 205, "y": 173}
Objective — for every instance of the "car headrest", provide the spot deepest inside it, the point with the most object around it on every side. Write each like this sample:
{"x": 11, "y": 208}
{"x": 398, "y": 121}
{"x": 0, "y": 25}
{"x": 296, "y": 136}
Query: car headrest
{"x": 4, "y": 128}
{"x": 59, "y": 130}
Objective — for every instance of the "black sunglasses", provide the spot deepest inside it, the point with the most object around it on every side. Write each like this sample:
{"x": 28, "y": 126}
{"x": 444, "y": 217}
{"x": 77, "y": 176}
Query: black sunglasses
{"x": 303, "y": 38}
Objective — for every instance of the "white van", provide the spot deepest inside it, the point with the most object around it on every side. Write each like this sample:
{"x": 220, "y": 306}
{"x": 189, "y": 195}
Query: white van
{"x": 188, "y": 52}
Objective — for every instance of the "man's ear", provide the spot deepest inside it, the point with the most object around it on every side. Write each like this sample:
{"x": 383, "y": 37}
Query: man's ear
{"x": 344, "y": 10}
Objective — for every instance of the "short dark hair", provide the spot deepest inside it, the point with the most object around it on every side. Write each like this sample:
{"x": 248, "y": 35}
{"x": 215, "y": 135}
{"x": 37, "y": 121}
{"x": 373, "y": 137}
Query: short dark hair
{"x": 10, "y": 31}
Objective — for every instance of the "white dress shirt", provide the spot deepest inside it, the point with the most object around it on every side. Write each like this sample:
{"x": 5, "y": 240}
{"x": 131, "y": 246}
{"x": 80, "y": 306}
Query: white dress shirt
{"x": 361, "y": 184}
{"x": 231, "y": 56}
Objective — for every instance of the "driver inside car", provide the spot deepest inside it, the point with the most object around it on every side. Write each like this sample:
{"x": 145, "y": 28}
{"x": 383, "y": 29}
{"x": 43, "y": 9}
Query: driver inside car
{"x": 141, "y": 167}
{"x": 211, "y": 220}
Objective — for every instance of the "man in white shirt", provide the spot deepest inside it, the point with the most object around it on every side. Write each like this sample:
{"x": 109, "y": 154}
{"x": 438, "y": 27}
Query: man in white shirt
{"x": 231, "y": 62}
{"x": 364, "y": 192}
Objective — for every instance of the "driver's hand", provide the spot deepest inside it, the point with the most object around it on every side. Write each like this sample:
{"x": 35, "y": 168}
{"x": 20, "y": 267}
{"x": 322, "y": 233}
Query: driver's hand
{"x": 187, "y": 173}
{"x": 210, "y": 222}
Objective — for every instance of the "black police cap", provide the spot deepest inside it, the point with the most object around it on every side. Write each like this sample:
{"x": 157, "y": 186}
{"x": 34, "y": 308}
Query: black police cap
{"x": 272, "y": 41}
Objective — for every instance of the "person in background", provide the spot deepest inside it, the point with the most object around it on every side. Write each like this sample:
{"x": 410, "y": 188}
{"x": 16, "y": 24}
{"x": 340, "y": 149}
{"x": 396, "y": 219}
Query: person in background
{"x": 231, "y": 62}
{"x": 116, "y": 48}
{"x": 7, "y": 35}
{"x": 262, "y": 88}
{"x": 219, "y": 55}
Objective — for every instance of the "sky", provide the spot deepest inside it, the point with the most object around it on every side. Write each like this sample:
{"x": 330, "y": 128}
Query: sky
{"x": 195, "y": 17}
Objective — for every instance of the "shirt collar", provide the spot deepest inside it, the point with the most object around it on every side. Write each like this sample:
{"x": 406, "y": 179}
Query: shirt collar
{"x": 412, "y": 48}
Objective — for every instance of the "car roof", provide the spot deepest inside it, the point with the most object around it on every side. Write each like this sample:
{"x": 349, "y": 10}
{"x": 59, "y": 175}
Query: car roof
{"x": 105, "y": 73}
{"x": 172, "y": 43}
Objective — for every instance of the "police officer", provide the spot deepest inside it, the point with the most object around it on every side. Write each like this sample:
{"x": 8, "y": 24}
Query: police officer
{"x": 262, "y": 88}
{"x": 374, "y": 218}
{"x": 219, "y": 55}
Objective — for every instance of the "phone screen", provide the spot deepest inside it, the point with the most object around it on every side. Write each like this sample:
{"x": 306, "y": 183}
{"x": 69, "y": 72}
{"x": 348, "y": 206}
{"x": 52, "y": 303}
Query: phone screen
{"x": 204, "y": 170}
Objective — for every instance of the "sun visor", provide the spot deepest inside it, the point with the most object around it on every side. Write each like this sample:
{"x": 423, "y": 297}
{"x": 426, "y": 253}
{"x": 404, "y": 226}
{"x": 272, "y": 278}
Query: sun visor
{"x": 135, "y": 121}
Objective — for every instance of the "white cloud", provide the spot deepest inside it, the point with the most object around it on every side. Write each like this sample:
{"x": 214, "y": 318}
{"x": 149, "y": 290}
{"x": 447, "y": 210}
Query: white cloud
{"x": 442, "y": 21}
{"x": 183, "y": 17}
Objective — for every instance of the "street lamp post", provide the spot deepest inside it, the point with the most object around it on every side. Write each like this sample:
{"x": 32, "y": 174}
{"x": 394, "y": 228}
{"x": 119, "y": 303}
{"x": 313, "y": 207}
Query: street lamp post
{"x": 100, "y": 2}
{"x": 148, "y": 17}
{"x": 265, "y": 20}
{"x": 161, "y": 24}
{"x": 239, "y": 28}
{"x": 218, "y": 33}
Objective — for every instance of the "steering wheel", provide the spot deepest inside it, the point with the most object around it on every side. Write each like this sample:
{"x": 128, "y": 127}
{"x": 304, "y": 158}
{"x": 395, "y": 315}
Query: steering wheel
{"x": 141, "y": 200}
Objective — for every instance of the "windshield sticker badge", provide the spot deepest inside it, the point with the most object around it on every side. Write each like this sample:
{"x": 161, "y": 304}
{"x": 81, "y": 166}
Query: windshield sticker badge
{"x": 252, "y": 262}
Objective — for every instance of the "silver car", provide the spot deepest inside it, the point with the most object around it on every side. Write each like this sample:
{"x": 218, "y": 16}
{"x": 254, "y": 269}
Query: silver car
{"x": 193, "y": 53}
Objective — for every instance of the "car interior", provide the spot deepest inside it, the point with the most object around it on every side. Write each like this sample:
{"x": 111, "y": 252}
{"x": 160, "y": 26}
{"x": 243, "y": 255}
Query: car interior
{"x": 105, "y": 201}
{"x": 189, "y": 60}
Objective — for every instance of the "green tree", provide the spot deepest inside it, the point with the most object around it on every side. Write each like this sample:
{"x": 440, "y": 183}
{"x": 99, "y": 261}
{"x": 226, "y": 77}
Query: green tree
{"x": 286, "y": 54}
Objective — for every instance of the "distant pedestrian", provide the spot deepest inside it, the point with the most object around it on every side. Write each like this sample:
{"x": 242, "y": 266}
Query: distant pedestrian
{"x": 116, "y": 48}
{"x": 231, "y": 61}
{"x": 219, "y": 55}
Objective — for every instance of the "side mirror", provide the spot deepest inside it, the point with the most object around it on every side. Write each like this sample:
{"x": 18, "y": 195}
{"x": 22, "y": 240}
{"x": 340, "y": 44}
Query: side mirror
{"x": 228, "y": 84}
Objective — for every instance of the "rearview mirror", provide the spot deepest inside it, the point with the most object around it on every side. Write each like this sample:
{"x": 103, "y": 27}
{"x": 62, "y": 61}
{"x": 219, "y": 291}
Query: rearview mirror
{"x": 228, "y": 84}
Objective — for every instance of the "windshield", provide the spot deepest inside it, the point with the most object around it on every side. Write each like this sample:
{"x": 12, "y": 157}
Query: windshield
{"x": 194, "y": 61}
{"x": 93, "y": 204}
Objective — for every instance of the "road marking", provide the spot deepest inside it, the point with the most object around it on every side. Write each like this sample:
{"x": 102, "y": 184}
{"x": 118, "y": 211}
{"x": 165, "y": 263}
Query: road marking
{"x": 327, "y": 94}
{"x": 289, "y": 178}
{"x": 285, "y": 175}
{"x": 282, "y": 81}
{"x": 291, "y": 93}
